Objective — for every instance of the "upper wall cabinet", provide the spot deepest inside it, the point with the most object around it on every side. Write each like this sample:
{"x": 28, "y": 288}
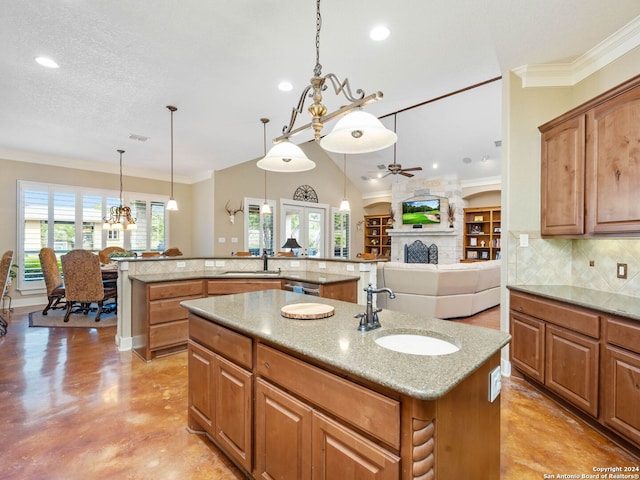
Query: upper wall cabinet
{"x": 591, "y": 166}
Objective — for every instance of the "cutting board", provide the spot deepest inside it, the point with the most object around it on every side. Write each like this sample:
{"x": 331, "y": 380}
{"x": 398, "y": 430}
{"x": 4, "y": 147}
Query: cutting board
{"x": 307, "y": 311}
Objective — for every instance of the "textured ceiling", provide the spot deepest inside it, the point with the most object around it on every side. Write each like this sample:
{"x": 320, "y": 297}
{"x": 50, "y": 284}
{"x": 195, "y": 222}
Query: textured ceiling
{"x": 220, "y": 62}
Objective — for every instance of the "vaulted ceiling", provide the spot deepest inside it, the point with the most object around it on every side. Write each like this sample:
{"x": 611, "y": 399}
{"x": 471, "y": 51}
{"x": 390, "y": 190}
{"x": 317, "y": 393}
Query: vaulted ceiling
{"x": 220, "y": 63}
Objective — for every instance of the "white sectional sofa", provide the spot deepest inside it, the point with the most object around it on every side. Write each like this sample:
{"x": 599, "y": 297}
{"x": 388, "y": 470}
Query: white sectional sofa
{"x": 441, "y": 291}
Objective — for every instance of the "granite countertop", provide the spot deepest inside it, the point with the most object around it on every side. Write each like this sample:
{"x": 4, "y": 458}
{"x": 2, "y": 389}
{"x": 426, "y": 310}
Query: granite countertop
{"x": 337, "y": 342}
{"x": 606, "y": 302}
{"x": 312, "y": 277}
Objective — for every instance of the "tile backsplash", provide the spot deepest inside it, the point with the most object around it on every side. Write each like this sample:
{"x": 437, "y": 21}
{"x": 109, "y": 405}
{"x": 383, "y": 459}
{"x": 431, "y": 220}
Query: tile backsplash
{"x": 564, "y": 261}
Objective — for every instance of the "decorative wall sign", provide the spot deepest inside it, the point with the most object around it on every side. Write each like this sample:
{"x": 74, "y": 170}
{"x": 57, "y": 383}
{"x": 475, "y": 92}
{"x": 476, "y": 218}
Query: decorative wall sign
{"x": 305, "y": 193}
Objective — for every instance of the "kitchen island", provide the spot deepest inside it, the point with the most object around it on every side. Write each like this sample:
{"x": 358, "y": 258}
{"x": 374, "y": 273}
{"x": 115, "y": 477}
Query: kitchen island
{"x": 284, "y": 398}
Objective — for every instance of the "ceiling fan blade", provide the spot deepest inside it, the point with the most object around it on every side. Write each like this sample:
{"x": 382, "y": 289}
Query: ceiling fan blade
{"x": 406, "y": 174}
{"x": 412, "y": 169}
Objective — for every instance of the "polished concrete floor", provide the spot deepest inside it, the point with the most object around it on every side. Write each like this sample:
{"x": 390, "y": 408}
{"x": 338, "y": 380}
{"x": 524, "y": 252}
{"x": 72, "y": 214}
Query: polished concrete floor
{"x": 73, "y": 407}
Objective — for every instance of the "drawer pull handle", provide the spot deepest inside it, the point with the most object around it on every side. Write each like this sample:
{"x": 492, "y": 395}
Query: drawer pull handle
{"x": 267, "y": 365}
{"x": 520, "y": 309}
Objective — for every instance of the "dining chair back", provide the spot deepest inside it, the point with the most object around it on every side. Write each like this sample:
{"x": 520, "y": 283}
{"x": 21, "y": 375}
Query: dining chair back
{"x": 5, "y": 269}
{"x": 83, "y": 282}
{"x": 172, "y": 252}
{"x": 105, "y": 252}
{"x": 52, "y": 279}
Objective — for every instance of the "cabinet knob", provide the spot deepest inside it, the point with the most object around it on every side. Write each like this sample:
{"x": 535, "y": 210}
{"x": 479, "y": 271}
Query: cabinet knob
{"x": 520, "y": 309}
{"x": 267, "y": 365}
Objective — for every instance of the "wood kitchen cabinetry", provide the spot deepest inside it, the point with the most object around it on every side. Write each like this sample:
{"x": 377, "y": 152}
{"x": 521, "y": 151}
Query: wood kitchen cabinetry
{"x": 158, "y": 323}
{"x": 376, "y": 239}
{"x": 588, "y": 358}
{"x": 589, "y": 166}
{"x": 482, "y": 233}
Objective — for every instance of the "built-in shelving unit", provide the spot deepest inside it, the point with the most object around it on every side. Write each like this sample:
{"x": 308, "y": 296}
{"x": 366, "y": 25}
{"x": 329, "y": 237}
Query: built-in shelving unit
{"x": 376, "y": 239}
{"x": 481, "y": 234}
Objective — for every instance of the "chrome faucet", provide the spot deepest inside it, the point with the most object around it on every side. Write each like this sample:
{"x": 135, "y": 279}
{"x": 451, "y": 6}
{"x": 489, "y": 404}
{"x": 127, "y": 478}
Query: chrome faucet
{"x": 265, "y": 260}
{"x": 369, "y": 319}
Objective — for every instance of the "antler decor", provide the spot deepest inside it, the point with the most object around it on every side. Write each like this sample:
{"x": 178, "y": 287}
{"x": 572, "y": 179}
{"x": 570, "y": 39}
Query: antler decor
{"x": 232, "y": 213}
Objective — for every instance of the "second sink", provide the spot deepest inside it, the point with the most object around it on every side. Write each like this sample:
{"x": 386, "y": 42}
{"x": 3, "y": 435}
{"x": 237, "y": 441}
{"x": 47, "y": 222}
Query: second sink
{"x": 417, "y": 344}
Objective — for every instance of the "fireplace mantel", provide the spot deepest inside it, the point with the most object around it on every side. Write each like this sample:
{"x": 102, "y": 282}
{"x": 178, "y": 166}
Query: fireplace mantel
{"x": 419, "y": 232}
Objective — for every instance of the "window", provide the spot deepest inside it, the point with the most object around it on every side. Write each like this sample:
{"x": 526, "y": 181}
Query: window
{"x": 306, "y": 222}
{"x": 341, "y": 233}
{"x": 259, "y": 234}
{"x": 65, "y": 217}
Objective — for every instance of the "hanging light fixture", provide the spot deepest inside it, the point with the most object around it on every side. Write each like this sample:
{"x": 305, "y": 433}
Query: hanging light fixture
{"x": 344, "y": 204}
{"x": 172, "y": 204}
{"x": 120, "y": 217}
{"x": 266, "y": 208}
{"x": 357, "y": 132}
{"x": 286, "y": 157}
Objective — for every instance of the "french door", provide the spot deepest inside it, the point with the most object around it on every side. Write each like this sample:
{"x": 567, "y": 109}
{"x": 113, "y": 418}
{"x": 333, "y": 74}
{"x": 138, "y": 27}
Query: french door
{"x": 306, "y": 222}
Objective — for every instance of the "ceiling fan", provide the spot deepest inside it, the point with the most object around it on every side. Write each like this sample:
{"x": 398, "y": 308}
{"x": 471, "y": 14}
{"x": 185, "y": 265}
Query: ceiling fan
{"x": 395, "y": 168}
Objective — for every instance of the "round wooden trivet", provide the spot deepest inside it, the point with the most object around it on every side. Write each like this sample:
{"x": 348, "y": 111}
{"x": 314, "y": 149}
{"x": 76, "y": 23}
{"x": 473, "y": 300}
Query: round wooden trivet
{"x": 307, "y": 311}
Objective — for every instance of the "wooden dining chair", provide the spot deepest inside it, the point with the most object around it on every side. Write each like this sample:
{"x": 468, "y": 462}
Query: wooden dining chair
{"x": 172, "y": 252}
{"x": 83, "y": 282}
{"x": 5, "y": 269}
{"x": 52, "y": 279}
{"x": 105, "y": 252}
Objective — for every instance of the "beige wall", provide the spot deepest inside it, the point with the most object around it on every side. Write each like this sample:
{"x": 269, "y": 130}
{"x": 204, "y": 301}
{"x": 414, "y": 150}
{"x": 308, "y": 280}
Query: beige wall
{"x": 247, "y": 180}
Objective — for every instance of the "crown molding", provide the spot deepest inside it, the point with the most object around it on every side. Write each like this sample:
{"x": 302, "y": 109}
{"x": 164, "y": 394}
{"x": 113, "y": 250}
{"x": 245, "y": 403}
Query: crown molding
{"x": 568, "y": 74}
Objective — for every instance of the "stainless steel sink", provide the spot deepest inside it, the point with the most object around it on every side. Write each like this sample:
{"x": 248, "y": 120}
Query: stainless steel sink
{"x": 417, "y": 343}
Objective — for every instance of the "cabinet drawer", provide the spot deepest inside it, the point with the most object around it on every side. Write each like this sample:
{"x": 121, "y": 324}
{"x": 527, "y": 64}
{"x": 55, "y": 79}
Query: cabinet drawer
{"x": 168, "y": 334}
{"x": 574, "y": 318}
{"x": 370, "y": 411}
{"x": 226, "y": 287}
{"x": 624, "y": 333}
{"x": 183, "y": 288}
{"x": 229, "y": 344}
{"x": 163, "y": 311}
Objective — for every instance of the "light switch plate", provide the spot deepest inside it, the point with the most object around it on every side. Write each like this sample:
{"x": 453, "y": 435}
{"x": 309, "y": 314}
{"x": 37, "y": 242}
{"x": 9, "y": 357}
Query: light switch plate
{"x": 495, "y": 383}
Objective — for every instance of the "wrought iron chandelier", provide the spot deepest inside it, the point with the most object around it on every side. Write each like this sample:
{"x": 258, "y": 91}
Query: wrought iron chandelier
{"x": 356, "y": 132}
{"x": 120, "y": 217}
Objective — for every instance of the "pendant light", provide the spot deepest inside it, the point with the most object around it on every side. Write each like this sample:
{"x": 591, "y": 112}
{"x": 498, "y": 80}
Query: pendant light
{"x": 344, "y": 204}
{"x": 266, "y": 208}
{"x": 120, "y": 217}
{"x": 286, "y": 157}
{"x": 172, "y": 204}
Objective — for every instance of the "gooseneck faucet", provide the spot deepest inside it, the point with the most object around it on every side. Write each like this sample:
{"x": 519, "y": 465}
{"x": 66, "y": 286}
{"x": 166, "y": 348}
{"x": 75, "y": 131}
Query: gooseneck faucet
{"x": 369, "y": 319}
{"x": 265, "y": 260}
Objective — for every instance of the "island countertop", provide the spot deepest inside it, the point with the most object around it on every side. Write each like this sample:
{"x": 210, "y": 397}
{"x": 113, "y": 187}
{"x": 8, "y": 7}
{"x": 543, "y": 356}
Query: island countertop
{"x": 313, "y": 277}
{"x": 335, "y": 341}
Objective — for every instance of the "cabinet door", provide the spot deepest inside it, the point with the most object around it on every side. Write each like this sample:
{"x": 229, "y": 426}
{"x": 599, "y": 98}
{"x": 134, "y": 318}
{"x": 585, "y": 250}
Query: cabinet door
{"x": 339, "y": 452}
{"x": 562, "y": 178}
{"x": 283, "y": 435}
{"x": 613, "y": 166}
{"x": 572, "y": 368}
{"x": 527, "y": 345}
{"x": 200, "y": 388}
{"x": 622, "y": 392}
{"x": 232, "y": 410}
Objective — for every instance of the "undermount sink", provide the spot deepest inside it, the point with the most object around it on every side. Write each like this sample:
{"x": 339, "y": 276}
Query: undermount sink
{"x": 417, "y": 344}
{"x": 261, "y": 273}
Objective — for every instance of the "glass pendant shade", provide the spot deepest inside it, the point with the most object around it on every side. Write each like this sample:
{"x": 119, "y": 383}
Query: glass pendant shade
{"x": 286, "y": 157}
{"x": 344, "y": 205}
{"x": 172, "y": 205}
{"x": 358, "y": 132}
{"x": 265, "y": 209}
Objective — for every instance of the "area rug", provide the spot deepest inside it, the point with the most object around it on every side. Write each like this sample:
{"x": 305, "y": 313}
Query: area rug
{"x": 55, "y": 318}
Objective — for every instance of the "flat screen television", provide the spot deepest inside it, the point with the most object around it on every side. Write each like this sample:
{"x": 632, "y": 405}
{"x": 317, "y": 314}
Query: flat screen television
{"x": 421, "y": 212}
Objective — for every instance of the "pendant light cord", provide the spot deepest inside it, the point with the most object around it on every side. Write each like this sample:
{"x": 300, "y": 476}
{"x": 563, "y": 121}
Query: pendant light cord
{"x": 317, "y": 71}
{"x": 345, "y": 175}
{"x": 121, "y": 152}
{"x": 172, "y": 153}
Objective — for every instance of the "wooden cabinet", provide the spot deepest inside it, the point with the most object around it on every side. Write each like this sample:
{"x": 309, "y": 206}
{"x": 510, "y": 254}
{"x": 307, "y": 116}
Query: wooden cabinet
{"x": 376, "y": 240}
{"x": 562, "y": 178}
{"x": 220, "y": 390}
{"x": 621, "y": 375}
{"x": 482, "y": 233}
{"x": 158, "y": 323}
{"x": 589, "y": 166}
{"x": 558, "y": 346}
{"x": 241, "y": 285}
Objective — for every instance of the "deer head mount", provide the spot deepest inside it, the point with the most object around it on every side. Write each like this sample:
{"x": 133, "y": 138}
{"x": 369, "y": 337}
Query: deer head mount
{"x": 232, "y": 213}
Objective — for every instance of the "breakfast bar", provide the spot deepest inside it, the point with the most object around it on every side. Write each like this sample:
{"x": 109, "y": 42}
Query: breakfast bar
{"x": 282, "y": 397}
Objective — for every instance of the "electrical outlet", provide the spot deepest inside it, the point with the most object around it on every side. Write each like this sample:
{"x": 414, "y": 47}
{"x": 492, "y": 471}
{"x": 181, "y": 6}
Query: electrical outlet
{"x": 209, "y": 263}
{"x": 351, "y": 268}
{"x": 495, "y": 383}
{"x": 181, "y": 264}
{"x": 622, "y": 270}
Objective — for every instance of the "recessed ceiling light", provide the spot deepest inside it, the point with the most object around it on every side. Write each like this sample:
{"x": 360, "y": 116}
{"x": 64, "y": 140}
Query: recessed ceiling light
{"x": 434, "y": 166}
{"x": 285, "y": 86}
{"x": 466, "y": 160}
{"x": 47, "y": 62}
{"x": 379, "y": 33}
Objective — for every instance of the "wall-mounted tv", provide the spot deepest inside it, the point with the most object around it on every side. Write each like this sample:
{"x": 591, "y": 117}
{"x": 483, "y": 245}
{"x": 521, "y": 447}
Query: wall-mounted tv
{"x": 421, "y": 212}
